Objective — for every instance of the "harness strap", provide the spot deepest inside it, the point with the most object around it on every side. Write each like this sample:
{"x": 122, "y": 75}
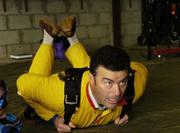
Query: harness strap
{"x": 129, "y": 94}
{"x": 72, "y": 78}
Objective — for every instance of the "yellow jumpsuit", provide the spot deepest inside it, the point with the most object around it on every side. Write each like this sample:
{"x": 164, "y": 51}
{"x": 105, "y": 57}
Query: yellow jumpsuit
{"x": 44, "y": 91}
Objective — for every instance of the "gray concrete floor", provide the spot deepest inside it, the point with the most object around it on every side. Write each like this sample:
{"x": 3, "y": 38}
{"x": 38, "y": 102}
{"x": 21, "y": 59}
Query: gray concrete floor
{"x": 157, "y": 111}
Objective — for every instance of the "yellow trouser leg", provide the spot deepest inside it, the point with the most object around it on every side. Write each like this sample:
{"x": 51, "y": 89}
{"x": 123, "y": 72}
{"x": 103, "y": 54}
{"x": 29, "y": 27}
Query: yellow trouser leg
{"x": 43, "y": 61}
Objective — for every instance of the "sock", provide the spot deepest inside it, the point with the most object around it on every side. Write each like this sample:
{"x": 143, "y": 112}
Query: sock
{"x": 73, "y": 40}
{"x": 48, "y": 39}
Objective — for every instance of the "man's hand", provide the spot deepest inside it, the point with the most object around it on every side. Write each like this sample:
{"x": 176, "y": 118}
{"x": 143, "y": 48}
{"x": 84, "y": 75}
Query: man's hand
{"x": 2, "y": 114}
{"x": 61, "y": 127}
{"x": 121, "y": 121}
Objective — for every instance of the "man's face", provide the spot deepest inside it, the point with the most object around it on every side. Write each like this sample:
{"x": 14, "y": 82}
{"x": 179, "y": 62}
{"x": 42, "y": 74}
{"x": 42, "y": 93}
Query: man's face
{"x": 108, "y": 86}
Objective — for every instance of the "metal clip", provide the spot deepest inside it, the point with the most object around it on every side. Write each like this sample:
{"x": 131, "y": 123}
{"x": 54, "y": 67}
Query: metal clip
{"x": 71, "y": 100}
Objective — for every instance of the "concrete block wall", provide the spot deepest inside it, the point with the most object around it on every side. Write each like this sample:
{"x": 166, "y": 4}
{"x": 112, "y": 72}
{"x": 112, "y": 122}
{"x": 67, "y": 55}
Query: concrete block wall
{"x": 20, "y": 32}
{"x": 130, "y": 22}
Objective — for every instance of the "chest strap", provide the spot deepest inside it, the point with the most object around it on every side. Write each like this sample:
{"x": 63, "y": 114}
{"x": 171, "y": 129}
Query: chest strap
{"x": 129, "y": 94}
{"x": 72, "y": 91}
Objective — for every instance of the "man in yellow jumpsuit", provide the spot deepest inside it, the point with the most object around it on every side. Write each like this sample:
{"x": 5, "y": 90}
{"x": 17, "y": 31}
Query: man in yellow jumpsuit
{"x": 102, "y": 87}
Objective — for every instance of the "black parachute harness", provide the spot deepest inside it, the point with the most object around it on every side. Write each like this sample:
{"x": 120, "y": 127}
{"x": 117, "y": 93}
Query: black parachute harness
{"x": 72, "y": 78}
{"x": 129, "y": 94}
{"x": 72, "y": 92}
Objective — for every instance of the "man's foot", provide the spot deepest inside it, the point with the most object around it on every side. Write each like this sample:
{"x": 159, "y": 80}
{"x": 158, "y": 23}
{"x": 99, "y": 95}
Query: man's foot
{"x": 68, "y": 26}
{"x": 50, "y": 28}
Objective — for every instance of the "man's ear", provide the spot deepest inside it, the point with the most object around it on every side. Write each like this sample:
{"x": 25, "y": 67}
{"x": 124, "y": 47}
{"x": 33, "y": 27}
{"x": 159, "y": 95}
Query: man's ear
{"x": 91, "y": 79}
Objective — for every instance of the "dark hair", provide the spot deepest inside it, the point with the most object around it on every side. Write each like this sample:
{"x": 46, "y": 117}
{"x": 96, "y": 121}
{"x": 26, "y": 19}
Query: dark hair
{"x": 112, "y": 58}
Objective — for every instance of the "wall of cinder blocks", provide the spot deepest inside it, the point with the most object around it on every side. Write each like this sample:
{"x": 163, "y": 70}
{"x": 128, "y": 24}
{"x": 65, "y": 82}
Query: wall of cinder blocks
{"x": 20, "y": 32}
{"x": 131, "y": 22}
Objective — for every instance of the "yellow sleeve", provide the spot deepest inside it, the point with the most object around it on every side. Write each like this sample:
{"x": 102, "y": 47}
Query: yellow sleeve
{"x": 78, "y": 56}
{"x": 140, "y": 79}
{"x": 43, "y": 61}
{"x": 44, "y": 94}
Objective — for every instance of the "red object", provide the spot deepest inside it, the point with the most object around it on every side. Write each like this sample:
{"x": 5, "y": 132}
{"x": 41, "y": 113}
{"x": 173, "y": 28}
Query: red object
{"x": 164, "y": 51}
{"x": 173, "y": 9}
{"x": 122, "y": 102}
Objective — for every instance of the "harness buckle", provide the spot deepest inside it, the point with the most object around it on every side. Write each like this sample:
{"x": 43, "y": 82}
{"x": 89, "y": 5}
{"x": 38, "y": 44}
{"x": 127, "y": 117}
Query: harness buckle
{"x": 72, "y": 100}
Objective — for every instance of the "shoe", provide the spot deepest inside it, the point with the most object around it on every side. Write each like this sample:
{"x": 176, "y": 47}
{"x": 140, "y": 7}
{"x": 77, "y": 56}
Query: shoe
{"x": 68, "y": 26}
{"x": 51, "y": 28}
